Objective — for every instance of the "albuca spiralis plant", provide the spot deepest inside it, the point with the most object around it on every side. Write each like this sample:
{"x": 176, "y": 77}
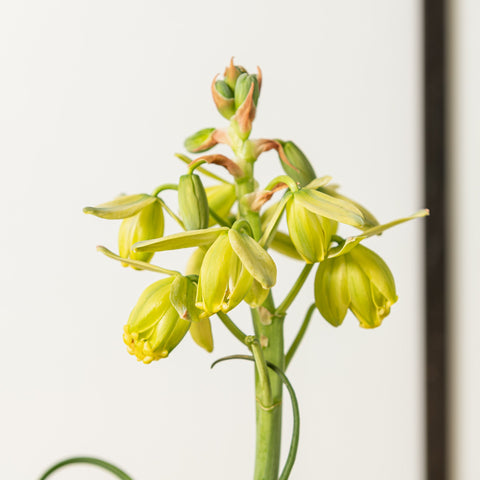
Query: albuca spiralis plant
{"x": 232, "y": 225}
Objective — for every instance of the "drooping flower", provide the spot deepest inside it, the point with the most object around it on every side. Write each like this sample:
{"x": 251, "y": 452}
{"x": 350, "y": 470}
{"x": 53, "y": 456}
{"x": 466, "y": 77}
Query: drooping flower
{"x": 358, "y": 280}
{"x": 154, "y": 327}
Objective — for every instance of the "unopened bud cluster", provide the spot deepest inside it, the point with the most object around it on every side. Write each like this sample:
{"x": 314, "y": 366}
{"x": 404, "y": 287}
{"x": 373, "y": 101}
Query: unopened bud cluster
{"x": 232, "y": 224}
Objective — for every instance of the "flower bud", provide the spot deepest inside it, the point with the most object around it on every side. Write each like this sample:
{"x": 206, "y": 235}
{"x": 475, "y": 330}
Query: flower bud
{"x": 224, "y": 98}
{"x": 192, "y": 202}
{"x": 147, "y": 224}
{"x": 242, "y": 88}
{"x": 232, "y": 72}
{"x": 310, "y": 233}
{"x": 200, "y": 141}
{"x": 360, "y": 281}
{"x": 220, "y": 199}
{"x": 154, "y": 327}
{"x": 300, "y": 169}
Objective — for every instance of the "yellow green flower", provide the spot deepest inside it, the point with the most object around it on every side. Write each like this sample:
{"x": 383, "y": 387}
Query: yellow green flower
{"x": 232, "y": 262}
{"x": 234, "y": 266}
{"x": 154, "y": 327}
{"x": 358, "y": 280}
{"x": 143, "y": 219}
{"x": 148, "y": 223}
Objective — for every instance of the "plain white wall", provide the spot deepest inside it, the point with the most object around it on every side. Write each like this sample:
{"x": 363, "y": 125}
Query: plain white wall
{"x": 464, "y": 260}
{"x": 95, "y": 97}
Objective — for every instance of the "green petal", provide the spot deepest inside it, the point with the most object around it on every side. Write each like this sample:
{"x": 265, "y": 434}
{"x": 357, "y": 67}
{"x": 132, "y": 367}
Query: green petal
{"x": 369, "y": 218}
{"x": 181, "y": 328}
{"x": 193, "y": 238}
{"x": 145, "y": 225}
{"x": 332, "y": 296}
{"x": 201, "y": 333}
{"x": 182, "y": 297}
{"x": 362, "y": 304}
{"x": 306, "y": 231}
{"x": 281, "y": 243}
{"x": 256, "y": 295}
{"x": 351, "y": 242}
{"x": 318, "y": 182}
{"x": 254, "y": 258}
{"x": 330, "y": 207}
{"x": 215, "y": 274}
{"x": 122, "y": 207}
{"x": 151, "y": 306}
{"x": 240, "y": 285}
{"x": 376, "y": 270}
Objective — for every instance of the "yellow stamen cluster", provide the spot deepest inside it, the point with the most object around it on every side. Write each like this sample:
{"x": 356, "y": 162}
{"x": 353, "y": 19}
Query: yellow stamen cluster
{"x": 141, "y": 348}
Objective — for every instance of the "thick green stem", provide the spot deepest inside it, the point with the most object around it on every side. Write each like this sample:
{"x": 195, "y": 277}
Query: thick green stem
{"x": 269, "y": 418}
{"x": 268, "y": 331}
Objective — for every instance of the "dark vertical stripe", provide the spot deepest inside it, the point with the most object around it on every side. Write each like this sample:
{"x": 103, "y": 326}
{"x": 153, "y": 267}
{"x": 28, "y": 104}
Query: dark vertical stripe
{"x": 435, "y": 247}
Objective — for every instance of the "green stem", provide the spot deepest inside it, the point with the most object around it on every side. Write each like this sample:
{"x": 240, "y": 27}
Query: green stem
{"x": 165, "y": 186}
{"x": 292, "y": 452}
{"x": 269, "y": 420}
{"x": 283, "y": 307}
{"x": 265, "y": 395}
{"x": 88, "y": 460}
{"x": 301, "y": 333}
{"x": 207, "y": 173}
{"x": 237, "y": 333}
{"x": 268, "y": 330}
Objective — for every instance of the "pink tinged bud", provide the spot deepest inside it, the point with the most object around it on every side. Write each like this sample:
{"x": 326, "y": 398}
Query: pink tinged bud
{"x": 245, "y": 114}
{"x": 223, "y": 97}
{"x": 232, "y": 72}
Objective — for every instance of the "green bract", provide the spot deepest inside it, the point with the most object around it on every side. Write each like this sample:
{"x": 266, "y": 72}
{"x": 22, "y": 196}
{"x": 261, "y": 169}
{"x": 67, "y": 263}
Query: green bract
{"x": 154, "y": 327}
{"x": 359, "y": 280}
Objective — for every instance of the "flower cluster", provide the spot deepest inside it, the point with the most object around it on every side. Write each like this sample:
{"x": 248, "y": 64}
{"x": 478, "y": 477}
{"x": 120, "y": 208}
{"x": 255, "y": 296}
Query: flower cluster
{"x": 232, "y": 225}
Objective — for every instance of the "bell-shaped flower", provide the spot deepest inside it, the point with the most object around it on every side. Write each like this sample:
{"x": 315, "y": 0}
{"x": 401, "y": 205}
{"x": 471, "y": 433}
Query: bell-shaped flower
{"x": 146, "y": 224}
{"x": 232, "y": 262}
{"x": 155, "y": 327}
{"x": 234, "y": 266}
{"x": 143, "y": 219}
{"x": 312, "y": 218}
{"x": 360, "y": 281}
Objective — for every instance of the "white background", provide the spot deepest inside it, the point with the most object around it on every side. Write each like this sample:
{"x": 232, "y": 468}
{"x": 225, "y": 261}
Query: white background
{"x": 95, "y": 97}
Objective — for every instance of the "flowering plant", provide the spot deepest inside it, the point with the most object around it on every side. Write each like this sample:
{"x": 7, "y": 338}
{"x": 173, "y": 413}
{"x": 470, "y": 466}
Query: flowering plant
{"x": 232, "y": 225}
